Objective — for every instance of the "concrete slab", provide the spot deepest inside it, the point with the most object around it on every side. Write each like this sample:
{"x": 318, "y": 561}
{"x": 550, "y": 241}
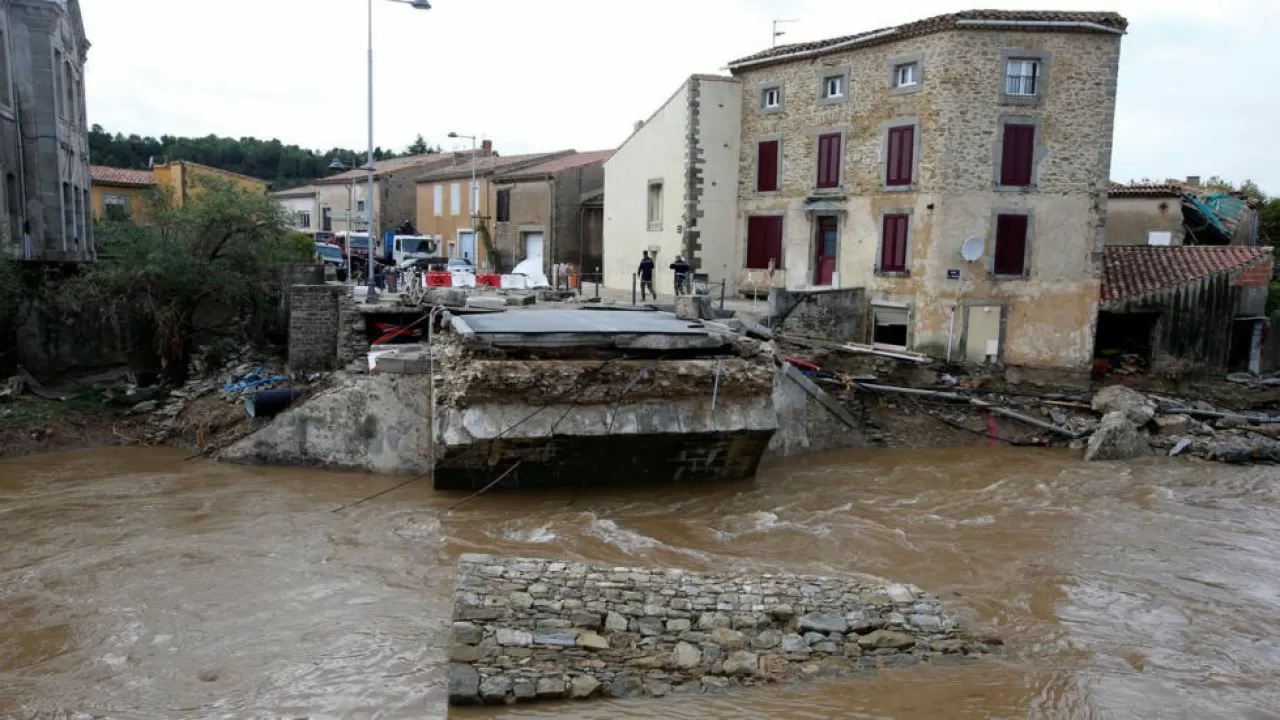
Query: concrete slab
{"x": 598, "y": 322}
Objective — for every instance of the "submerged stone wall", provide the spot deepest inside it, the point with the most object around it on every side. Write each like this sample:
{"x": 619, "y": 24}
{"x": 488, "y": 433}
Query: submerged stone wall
{"x": 527, "y": 629}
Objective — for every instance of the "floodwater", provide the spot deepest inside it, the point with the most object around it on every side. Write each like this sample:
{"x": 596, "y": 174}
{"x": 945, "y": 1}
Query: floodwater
{"x": 134, "y": 585}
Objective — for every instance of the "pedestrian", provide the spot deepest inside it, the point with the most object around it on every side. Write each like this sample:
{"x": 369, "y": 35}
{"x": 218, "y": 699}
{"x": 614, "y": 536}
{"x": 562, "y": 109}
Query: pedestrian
{"x": 646, "y": 277}
{"x": 682, "y": 275}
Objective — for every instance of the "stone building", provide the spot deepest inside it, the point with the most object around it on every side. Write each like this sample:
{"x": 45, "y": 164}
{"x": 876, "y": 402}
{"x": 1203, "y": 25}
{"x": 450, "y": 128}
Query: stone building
{"x": 44, "y": 140}
{"x": 871, "y": 160}
{"x": 1145, "y": 214}
{"x": 671, "y": 188}
{"x": 539, "y": 212}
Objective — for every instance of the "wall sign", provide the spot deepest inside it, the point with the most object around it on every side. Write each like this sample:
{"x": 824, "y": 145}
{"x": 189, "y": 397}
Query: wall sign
{"x": 953, "y": 274}
{"x": 679, "y": 229}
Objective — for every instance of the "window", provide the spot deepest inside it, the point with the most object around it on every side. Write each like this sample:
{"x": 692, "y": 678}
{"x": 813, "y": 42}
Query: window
{"x": 771, "y": 98}
{"x": 893, "y": 243}
{"x": 1159, "y": 237}
{"x": 68, "y": 213}
{"x": 764, "y": 241}
{"x": 829, "y": 160}
{"x": 473, "y": 208}
{"x": 906, "y": 75}
{"x": 455, "y": 199}
{"x": 439, "y": 200}
{"x": 304, "y": 219}
{"x": 1017, "y": 155}
{"x": 889, "y": 326}
{"x": 1022, "y": 77}
{"x": 359, "y": 206}
{"x": 57, "y": 81}
{"x": 4, "y": 70}
{"x": 504, "y": 205}
{"x": 1011, "y": 245}
{"x": 767, "y": 165}
{"x": 833, "y": 87}
{"x": 86, "y": 205}
{"x": 68, "y": 106}
{"x": 326, "y": 219}
{"x": 115, "y": 207}
{"x": 655, "y": 205}
{"x": 901, "y": 156}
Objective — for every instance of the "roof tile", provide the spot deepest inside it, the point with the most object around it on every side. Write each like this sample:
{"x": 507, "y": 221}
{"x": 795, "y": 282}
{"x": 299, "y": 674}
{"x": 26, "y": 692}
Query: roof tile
{"x": 941, "y": 23}
{"x": 568, "y": 162}
{"x": 1131, "y": 272}
{"x": 103, "y": 175}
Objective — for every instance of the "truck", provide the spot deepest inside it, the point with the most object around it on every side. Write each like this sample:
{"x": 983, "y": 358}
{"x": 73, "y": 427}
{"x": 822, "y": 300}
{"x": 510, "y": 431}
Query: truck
{"x": 406, "y": 250}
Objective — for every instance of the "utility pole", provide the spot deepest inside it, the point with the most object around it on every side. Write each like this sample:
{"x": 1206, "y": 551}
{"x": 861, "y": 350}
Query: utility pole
{"x": 779, "y": 33}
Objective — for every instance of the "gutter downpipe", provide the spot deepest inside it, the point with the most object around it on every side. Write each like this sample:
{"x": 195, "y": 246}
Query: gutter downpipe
{"x": 549, "y": 263}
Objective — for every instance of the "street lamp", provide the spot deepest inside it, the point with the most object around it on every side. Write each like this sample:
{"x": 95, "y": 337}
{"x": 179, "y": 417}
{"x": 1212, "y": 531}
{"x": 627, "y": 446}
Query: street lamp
{"x": 372, "y": 296}
{"x": 338, "y": 164}
{"x": 474, "y": 199}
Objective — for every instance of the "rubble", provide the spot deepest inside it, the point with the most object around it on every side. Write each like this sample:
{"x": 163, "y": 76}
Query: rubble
{"x": 1117, "y": 438}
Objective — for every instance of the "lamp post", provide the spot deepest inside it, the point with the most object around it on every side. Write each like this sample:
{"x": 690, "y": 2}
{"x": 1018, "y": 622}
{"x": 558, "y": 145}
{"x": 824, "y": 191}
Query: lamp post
{"x": 474, "y": 199}
{"x": 337, "y": 164}
{"x": 372, "y": 295}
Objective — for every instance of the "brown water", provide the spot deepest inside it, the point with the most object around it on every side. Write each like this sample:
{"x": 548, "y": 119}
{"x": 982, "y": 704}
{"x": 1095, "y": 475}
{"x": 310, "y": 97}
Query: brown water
{"x": 133, "y": 585}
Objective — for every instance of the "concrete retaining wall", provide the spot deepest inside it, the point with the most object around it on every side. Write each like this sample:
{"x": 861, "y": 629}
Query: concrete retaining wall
{"x": 833, "y": 314}
{"x": 534, "y": 629}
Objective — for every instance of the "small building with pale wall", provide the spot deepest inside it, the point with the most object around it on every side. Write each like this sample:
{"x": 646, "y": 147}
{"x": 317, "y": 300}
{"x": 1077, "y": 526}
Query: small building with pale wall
{"x": 671, "y": 188}
{"x": 539, "y": 210}
{"x": 1145, "y": 214}
{"x": 186, "y": 180}
{"x": 302, "y": 208}
{"x": 119, "y": 194}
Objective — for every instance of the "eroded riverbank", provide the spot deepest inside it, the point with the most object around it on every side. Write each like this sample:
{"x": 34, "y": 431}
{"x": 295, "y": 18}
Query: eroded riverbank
{"x": 138, "y": 586}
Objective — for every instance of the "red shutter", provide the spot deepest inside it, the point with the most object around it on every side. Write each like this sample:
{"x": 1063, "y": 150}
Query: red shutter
{"x": 1017, "y": 155}
{"x": 829, "y": 160}
{"x": 901, "y": 155}
{"x": 893, "y": 244}
{"x": 764, "y": 241}
{"x": 767, "y": 166}
{"x": 1011, "y": 245}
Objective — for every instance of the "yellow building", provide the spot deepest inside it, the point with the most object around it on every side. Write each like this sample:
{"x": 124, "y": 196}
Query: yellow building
{"x": 120, "y": 194}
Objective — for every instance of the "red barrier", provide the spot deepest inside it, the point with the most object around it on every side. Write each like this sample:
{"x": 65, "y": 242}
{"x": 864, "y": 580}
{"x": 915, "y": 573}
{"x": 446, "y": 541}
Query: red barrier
{"x": 493, "y": 281}
{"x": 439, "y": 279}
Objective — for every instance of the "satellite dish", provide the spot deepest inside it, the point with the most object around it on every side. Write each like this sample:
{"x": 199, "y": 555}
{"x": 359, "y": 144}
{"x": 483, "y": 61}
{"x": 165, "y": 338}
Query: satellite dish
{"x": 972, "y": 248}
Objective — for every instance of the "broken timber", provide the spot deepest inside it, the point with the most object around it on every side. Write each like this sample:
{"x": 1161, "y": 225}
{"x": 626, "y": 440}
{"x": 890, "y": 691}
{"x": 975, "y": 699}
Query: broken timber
{"x": 857, "y": 348}
{"x": 819, "y": 394}
{"x": 989, "y": 407}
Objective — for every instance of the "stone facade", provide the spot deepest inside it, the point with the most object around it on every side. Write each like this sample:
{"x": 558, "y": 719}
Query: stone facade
{"x": 529, "y": 629}
{"x": 1045, "y": 316}
{"x": 44, "y": 141}
{"x": 326, "y": 330}
{"x": 835, "y": 314}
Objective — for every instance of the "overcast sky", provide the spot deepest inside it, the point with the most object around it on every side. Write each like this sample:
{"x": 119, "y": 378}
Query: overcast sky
{"x": 1197, "y": 77}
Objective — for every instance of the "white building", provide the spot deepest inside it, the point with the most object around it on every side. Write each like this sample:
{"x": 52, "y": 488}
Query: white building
{"x": 672, "y": 187}
{"x": 302, "y": 208}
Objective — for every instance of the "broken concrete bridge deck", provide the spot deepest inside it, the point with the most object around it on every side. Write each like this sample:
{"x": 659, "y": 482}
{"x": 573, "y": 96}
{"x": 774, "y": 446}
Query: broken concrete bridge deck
{"x": 623, "y": 329}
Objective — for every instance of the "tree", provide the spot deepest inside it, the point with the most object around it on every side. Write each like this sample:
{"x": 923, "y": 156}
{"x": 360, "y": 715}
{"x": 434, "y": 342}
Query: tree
{"x": 215, "y": 252}
{"x": 420, "y": 147}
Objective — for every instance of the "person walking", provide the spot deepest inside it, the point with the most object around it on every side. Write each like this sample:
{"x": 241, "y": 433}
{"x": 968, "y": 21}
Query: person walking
{"x": 646, "y": 276}
{"x": 682, "y": 275}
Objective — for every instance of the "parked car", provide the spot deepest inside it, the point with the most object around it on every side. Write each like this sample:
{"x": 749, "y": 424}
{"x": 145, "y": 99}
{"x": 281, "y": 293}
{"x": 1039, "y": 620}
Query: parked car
{"x": 330, "y": 255}
{"x": 457, "y": 264}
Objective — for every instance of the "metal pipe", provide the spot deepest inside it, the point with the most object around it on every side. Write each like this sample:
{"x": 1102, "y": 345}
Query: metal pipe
{"x": 372, "y": 295}
{"x": 951, "y": 331}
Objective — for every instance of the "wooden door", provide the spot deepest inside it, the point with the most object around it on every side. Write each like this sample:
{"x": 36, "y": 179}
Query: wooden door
{"x": 827, "y": 243}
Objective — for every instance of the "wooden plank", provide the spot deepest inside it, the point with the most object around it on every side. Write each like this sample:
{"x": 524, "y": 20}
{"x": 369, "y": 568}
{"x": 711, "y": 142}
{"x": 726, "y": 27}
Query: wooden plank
{"x": 820, "y": 395}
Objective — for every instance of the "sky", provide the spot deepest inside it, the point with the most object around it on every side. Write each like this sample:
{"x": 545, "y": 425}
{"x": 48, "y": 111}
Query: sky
{"x": 1197, "y": 77}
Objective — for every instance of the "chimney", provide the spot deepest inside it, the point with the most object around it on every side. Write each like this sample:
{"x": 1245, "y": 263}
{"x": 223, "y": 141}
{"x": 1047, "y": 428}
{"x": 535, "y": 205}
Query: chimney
{"x": 486, "y": 147}
{"x": 639, "y": 124}
{"x": 1193, "y": 181}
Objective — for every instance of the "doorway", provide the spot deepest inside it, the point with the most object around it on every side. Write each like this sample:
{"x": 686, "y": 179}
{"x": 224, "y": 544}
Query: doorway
{"x": 467, "y": 244}
{"x": 532, "y": 245}
{"x": 827, "y": 245}
{"x": 983, "y": 334}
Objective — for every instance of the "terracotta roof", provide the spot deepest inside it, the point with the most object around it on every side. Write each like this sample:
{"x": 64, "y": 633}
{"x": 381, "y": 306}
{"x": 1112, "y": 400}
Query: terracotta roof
{"x": 490, "y": 165}
{"x": 1026, "y": 20}
{"x": 1145, "y": 190}
{"x": 400, "y": 164}
{"x": 120, "y": 177}
{"x": 1131, "y": 272}
{"x": 551, "y": 167}
{"x": 302, "y": 191}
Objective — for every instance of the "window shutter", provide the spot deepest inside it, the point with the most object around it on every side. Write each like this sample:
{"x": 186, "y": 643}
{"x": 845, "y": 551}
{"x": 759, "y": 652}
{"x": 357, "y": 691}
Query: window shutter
{"x": 1017, "y": 155}
{"x": 829, "y": 160}
{"x": 1011, "y": 245}
{"x": 767, "y": 166}
{"x": 901, "y": 151}
{"x": 893, "y": 243}
{"x": 764, "y": 241}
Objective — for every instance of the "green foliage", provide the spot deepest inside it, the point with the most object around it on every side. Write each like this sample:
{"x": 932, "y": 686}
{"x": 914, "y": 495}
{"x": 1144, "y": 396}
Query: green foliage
{"x": 214, "y": 251}
{"x": 1273, "y": 299}
{"x": 10, "y": 286}
{"x": 285, "y": 165}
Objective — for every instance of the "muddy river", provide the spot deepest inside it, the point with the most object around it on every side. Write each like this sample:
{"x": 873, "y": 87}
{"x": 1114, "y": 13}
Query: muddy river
{"x": 136, "y": 585}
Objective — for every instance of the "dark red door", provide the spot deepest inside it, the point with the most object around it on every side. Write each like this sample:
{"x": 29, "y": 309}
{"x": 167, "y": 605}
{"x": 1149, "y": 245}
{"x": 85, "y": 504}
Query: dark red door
{"x": 827, "y": 243}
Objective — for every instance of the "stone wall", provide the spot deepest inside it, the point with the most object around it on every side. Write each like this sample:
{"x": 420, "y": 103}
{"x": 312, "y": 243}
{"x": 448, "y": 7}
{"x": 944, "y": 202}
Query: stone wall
{"x": 533, "y": 630}
{"x": 326, "y": 329}
{"x": 832, "y": 314}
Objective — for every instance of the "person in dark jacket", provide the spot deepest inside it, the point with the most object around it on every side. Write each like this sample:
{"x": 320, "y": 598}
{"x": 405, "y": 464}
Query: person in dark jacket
{"x": 646, "y": 276}
{"x": 682, "y": 275}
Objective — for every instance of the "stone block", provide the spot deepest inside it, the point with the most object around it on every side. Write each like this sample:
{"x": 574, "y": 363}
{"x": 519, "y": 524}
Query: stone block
{"x": 686, "y": 656}
{"x": 464, "y": 684}
{"x": 521, "y": 300}
{"x": 467, "y": 633}
{"x": 742, "y": 663}
{"x": 551, "y": 687}
{"x": 583, "y": 686}
{"x": 494, "y": 689}
{"x": 510, "y": 637}
{"x": 823, "y": 623}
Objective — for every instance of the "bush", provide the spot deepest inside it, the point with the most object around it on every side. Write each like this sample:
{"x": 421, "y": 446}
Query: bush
{"x": 1273, "y": 298}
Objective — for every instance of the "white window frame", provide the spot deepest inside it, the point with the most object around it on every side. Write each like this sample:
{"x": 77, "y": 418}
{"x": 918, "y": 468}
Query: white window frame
{"x": 907, "y": 75}
{"x": 114, "y": 201}
{"x": 1162, "y": 238}
{"x": 833, "y": 87}
{"x": 1021, "y": 64}
{"x": 304, "y": 219}
{"x": 775, "y": 94}
{"x": 455, "y": 199}
{"x": 359, "y": 206}
{"x": 438, "y": 192}
{"x": 653, "y": 204}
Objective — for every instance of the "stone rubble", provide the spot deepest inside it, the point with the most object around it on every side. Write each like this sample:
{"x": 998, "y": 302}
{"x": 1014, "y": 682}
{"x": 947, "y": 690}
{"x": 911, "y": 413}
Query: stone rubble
{"x": 528, "y": 629}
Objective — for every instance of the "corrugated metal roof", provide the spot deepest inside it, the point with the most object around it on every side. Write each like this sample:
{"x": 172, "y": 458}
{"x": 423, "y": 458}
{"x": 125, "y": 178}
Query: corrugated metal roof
{"x": 1033, "y": 21}
{"x": 1132, "y": 272}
